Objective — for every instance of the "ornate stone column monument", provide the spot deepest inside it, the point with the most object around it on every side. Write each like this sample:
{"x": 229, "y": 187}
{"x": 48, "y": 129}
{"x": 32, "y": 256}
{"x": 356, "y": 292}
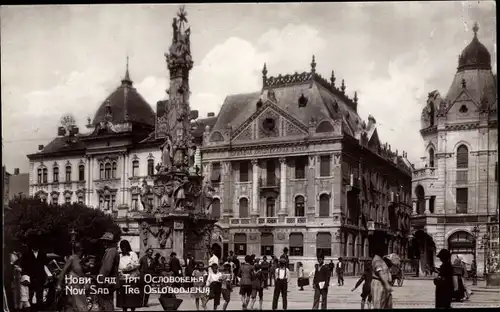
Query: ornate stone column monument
{"x": 178, "y": 220}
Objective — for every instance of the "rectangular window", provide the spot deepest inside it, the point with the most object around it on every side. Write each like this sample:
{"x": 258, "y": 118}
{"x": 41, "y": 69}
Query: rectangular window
{"x": 81, "y": 173}
{"x": 68, "y": 174}
{"x": 135, "y": 168}
{"x": 56, "y": 174}
{"x": 240, "y": 249}
{"x": 107, "y": 200}
{"x": 113, "y": 201}
{"x": 462, "y": 200}
{"x": 324, "y": 166}
{"x": 151, "y": 167}
{"x": 216, "y": 172}
{"x": 39, "y": 175}
{"x": 267, "y": 250}
{"x": 45, "y": 175}
{"x": 244, "y": 171}
{"x": 134, "y": 201}
{"x": 300, "y": 167}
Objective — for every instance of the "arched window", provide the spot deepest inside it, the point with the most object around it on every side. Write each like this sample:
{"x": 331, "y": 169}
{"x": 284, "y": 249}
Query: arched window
{"x": 68, "y": 173}
{"x": 462, "y": 157}
{"x": 45, "y": 173}
{"x": 101, "y": 171}
{"x": 270, "y": 207}
{"x": 419, "y": 191}
{"x": 81, "y": 173}
{"x": 324, "y": 244}
{"x": 216, "y": 208}
{"x": 40, "y": 175}
{"x": 243, "y": 207}
{"x": 240, "y": 244}
{"x": 324, "y": 205}
{"x": 135, "y": 168}
{"x": 151, "y": 167}
{"x": 55, "y": 174}
{"x": 296, "y": 242}
{"x": 107, "y": 171}
{"x": 461, "y": 242}
{"x": 299, "y": 206}
{"x": 114, "y": 170}
{"x": 431, "y": 157}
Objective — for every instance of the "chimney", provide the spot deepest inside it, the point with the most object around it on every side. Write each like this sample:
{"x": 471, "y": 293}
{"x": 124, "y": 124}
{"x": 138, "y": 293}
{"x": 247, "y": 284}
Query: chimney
{"x": 40, "y": 147}
{"x": 74, "y": 130}
{"x": 211, "y": 114}
{"x": 194, "y": 115}
{"x": 61, "y": 131}
{"x": 16, "y": 171}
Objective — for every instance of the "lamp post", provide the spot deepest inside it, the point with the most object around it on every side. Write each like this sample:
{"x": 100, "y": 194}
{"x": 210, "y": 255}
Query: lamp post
{"x": 72, "y": 234}
{"x": 485, "y": 244}
{"x": 475, "y": 232}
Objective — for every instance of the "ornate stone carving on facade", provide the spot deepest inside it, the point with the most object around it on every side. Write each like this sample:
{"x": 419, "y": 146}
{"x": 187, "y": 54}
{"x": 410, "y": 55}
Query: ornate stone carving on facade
{"x": 144, "y": 191}
{"x": 68, "y": 193}
{"x": 245, "y": 135}
{"x": 291, "y": 129}
{"x": 253, "y": 237}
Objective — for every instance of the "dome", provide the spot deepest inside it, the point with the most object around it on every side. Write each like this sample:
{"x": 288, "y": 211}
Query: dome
{"x": 125, "y": 104}
{"x": 475, "y": 55}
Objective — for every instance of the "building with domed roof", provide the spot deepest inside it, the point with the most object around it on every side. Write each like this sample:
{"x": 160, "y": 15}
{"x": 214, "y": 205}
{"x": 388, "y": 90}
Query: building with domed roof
{"x": 455, "y": 192}
{"x": 104, "y": 166}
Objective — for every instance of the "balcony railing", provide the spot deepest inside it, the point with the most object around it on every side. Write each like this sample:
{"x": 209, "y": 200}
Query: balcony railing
{"x": 425, "y": 173}
{"x": 270, "y": 221}
{"x": 269, "y": 182}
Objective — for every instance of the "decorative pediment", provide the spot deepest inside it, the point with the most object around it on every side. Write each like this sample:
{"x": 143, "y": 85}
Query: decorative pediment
{"x": 68, "y": 163}
{"x": 135, "y": 190}
{"x": 135, "y": 157}
{"x": 81, "y": 162}
{"x": 269, "y": 121}
{"x": 55, "y": 164}
{"x": 68, "y": 193}
{"x": 41, "y": 194}
{"x": 150, "y": 156}
{"x": 80, "y": 192}
{"x": 463, "y": 96}
{"x": 107, "y": 158}
{"x": 54, "y": 193}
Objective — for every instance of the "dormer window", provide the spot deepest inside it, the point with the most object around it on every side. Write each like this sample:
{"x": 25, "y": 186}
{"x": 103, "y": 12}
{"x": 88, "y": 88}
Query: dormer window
{"x": 302, "y": 101}
{"x": 463, "y": 109}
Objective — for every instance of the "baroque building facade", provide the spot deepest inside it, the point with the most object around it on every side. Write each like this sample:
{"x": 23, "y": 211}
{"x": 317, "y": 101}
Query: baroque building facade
{"x": 455, "y": 192}
{"x": 293, "y": 165}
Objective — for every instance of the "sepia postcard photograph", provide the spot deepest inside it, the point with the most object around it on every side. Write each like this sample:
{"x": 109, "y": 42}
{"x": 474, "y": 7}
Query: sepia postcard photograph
{"x": 250, "y": 156}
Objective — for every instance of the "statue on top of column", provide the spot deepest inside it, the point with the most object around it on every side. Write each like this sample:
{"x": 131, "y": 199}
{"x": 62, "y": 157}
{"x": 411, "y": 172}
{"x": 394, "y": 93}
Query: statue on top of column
{"x": 180, "y": 51}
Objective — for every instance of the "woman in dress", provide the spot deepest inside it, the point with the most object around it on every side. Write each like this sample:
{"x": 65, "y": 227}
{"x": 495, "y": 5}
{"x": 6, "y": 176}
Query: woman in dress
{"x": 300, "y": 276}
{"x": 77, "y": 301}
{"x": 199, "y": 276}
{"x": 458, "y": 282}
{"x": 128, "y": 268}
{"x": 381, "y": 290}
{"x": 444, "y": 281}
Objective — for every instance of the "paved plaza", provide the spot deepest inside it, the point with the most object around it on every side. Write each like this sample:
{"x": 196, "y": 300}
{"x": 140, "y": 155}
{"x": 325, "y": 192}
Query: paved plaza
{"x": 413, "y": 294}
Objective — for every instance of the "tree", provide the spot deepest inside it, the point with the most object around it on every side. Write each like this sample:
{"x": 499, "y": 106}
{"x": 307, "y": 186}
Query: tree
{"x": 29, "y": 219}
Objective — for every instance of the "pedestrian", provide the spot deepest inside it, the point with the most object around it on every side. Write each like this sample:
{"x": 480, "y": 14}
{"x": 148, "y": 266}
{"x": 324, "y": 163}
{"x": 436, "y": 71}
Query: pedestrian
{"x": 236, "y": 271}
{"x": 76, "y": 301}
{"x": 444, "y": 281}
{"x": 34, "y": 264}
{"x": 272, "y": 272}
{"x": 214, "y": 282}
{"x": 459, "y": 291}
{"x": 321, "y": 282}
{"x": 199, "y": 280}
{"x": 301, "y": 280}
{"x": 109, "y": 268}
{"x": 257, "y": 286}
{"x": 265, "y": 265}
{"x": 227, "y": 278}
{"x": 340, "y": 272}
{"x": 25, "y": 305}
{"x": 473, "y": 268}
{"x": 247, "y": 272}
{"x": 128, "y": 270}
{"x": 189, "y": 265}
{"x": 212, "y": 259}
{"x": 175, "y": 267}
{"x": 366, "y": 279}
{"x": 331, "y": 266}
{"x": 282, "y": 274}
{"x": 285, "y": 255}
{"x": 380, "y": 288}
{"x": 147, "y": 265}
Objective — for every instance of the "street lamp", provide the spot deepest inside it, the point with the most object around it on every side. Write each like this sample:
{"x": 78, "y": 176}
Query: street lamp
{"x": 72, "y": 234}
{"x": 475, "y": 231}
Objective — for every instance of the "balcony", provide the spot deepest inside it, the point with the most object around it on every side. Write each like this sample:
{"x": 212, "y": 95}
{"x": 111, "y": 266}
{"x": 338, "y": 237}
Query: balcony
{"x": 269, "y": 184}
{"x": 354, "y": 184}
{"x": 269, "y": 221}
{"x": 425, "y": 173}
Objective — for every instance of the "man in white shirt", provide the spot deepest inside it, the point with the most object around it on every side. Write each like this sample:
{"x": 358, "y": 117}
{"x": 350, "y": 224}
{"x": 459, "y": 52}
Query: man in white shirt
{"x": 212, "y": 260}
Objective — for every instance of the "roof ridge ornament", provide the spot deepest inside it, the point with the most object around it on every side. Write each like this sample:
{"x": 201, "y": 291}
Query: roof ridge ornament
{"x": 313, "y": 65}
{"x": 475, "y": 29}
{"x": 126, "y": 80}
{"x": 342, "y": 87}
{"x": 264, "y": 75}
{"x": 332, "y": 79}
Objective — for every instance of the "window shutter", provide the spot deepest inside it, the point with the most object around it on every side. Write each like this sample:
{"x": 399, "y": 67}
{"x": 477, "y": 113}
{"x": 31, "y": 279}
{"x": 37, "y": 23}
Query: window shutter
{"x": 324, "y": 240}
{"x": 296, "y": 240}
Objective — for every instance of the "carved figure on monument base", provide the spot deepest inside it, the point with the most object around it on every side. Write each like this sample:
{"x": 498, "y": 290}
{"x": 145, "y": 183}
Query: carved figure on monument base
{"x": 144, "y": 192}
{"x": 167, "y": 154}
{"x": 167, "y": 198}
{"x": 180, "y": 193}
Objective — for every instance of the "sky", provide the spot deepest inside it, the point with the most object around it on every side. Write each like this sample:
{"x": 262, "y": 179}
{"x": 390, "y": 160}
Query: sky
{"x": 58, "y": 59}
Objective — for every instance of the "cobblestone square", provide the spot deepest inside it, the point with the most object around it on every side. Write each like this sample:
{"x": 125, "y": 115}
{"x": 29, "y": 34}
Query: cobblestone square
{"x": 413, "y": 294}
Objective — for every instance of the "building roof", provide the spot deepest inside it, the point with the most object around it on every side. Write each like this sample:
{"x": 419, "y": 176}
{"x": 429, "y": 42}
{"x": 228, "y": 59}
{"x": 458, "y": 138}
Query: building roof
{"x": 125, "y": 104}
{"x": 63, "y": 144}
{"x": 475, "y": 55}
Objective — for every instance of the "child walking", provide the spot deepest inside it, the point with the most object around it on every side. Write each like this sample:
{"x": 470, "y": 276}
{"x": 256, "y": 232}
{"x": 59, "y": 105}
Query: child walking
{"x": 199, "y": 275}
{"x": 366, "y": 292}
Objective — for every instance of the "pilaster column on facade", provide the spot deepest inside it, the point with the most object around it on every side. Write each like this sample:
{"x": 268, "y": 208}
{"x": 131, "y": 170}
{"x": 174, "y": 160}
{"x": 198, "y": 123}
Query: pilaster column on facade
{"x": 311, "y": 185}
{"x": 89, "y": 180}
{"x": 227, "y": 203}
{"x": 92, "y": 164}
{"x": 283, "y": 178}
{"x": 337, "y": 243}
{"x": 427, "y": 205}
{"x": 255, "y": 187}
{"x": 124, "y": 201}
{"x": 414, "y": 211}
